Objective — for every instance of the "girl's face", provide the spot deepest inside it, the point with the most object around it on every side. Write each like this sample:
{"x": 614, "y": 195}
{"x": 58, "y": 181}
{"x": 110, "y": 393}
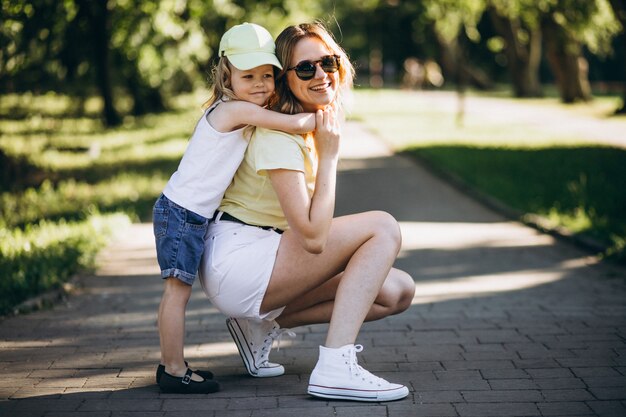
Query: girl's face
{"x": 255, "y": 85}
{"x": 319, "y": 91}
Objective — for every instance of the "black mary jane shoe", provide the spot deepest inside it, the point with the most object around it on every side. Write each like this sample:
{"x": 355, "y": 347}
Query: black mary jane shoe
{"x": 204, "y": 374}
{"x": 170, "y": 384}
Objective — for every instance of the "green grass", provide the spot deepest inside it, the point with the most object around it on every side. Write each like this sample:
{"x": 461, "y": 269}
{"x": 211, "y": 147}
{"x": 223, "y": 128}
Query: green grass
{"x": 536, "y": 156}
{"x": 67, "y": 183}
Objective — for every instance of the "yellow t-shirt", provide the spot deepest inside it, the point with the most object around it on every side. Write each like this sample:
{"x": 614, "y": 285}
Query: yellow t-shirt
{"x": 251, "y": 197}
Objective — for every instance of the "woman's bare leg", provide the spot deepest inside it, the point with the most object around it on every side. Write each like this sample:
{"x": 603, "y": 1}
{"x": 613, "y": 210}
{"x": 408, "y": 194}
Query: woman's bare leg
{"x": 362, "y": 246}
{"x": 317, "y": 305}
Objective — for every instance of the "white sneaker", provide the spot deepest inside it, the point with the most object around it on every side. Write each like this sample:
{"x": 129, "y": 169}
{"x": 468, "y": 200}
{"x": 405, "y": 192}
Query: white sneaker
{"x": 338, "y": 375}
{"x": 254, "y": 341}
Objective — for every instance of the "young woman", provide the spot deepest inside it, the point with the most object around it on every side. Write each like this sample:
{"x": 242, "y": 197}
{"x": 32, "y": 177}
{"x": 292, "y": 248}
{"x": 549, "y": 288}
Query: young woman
{"x": 277, "y": 255}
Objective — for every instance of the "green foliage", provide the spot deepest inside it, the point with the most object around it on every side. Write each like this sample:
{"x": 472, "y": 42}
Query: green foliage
{"x": 45, "y": 255}
{"x": 452, "y": 16}
{"x": 64, "y": 177}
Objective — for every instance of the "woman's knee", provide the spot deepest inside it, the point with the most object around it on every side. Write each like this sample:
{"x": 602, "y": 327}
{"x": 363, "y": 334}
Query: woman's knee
{"x": 397, "y": 292}
{"x": 385, "y": 225}
{"x": 406, "y": 291}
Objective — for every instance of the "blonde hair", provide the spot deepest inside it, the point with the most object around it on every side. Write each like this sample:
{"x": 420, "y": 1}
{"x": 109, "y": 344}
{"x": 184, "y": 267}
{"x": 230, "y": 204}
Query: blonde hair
{"x": 222, "y": 89}
{"x": 283, "y": 99}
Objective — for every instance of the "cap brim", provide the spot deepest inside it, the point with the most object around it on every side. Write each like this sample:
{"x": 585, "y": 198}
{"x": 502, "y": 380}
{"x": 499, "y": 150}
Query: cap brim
{"x": 251, "y": 60}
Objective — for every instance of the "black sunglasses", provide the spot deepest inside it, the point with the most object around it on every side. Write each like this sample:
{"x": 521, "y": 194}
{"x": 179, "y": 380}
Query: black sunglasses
{"x": 305, "y": 70}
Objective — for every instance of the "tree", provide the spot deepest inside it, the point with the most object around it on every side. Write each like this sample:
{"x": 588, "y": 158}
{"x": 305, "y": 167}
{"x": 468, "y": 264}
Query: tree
{"x": 517, "y": 24}
{"x": 619, "y": 9}
{"x": 568, "y": 26}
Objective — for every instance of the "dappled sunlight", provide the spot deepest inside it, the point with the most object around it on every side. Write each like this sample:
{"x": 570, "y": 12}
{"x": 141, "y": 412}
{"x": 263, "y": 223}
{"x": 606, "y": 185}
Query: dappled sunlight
{"x": 431, "y": 235}
{"x": 130, "y": 256}
{"x": 463, "y": 277}
{"x": 482, "y": 285}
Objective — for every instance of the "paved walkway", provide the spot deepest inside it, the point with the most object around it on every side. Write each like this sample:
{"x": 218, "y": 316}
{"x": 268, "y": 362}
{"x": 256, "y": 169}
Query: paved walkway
{"x": 505, "y": 322}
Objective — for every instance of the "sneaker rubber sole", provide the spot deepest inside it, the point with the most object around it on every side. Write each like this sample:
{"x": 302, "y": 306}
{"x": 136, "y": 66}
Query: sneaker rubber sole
{"x": 247, "y": 356}
{"x": 352, "y": 394}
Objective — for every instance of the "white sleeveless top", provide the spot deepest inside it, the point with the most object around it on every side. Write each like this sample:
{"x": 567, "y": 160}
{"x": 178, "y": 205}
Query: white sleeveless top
{"x": 207, "y": 167}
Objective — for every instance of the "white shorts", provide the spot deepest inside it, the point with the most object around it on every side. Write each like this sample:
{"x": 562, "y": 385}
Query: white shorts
{"x": 236, "y": 267}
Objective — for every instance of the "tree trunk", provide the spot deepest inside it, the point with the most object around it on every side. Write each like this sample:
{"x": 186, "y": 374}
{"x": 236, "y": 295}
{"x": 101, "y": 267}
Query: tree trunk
{"x": 619, "y": 9}
{"x": 523, "y": 60}
{"x": 448, "y": 61}
{"x": 98, "y": 15}
{"x": 145, "y": 98}
{"x": 568, "y": 66}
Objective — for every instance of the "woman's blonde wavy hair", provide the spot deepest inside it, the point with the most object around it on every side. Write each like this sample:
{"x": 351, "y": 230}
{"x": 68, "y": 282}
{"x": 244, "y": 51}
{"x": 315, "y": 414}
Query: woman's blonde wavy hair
{"x": 283, "y": 99}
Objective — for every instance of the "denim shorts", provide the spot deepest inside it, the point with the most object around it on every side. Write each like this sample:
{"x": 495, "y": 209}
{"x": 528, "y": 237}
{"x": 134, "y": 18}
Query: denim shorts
{"x": 179, "y": 234}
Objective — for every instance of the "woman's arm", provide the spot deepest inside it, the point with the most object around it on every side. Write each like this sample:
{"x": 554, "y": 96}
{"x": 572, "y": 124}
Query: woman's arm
{"x": 234, "y": 114}
{"x": 310, "y": 218}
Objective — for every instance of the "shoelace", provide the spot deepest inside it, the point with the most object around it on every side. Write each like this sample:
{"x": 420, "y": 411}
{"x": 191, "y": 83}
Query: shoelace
{"x": 275, "y": 334}
{"x": 358, "y": 371}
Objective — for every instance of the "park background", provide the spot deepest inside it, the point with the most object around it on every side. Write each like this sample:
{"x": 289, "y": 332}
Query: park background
{"x": 98, "y": 99}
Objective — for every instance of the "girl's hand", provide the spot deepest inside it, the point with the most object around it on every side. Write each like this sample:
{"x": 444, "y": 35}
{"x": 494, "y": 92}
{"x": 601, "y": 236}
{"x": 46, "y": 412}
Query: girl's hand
{"x": 327, "y": 133}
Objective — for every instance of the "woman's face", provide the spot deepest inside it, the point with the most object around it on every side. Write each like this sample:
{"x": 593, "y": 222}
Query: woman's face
{"x": 319, "y": 91}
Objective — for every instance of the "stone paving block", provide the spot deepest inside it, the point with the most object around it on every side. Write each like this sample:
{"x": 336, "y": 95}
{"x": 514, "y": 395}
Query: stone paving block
{"x": 200, "y": 403}
{"x": 420, "y": 366}
{"x": 28, "y": 392}
{"x": 61, "y": 382}
{"x": 139, "y": 414}
{"x": 290, "y": 412}
{"x": 535, "y": 363}
{"x": 504, "y": 373}
{"x": 608, "y": 408}
{"x": 252, "y": 403}
{"x": 559, "y": 383}
{"x": 439, "y": 337}
{"x": 459, "y": 374}
{"x": 22, "y": 381}
{"x": 550, "y": 373}
{"x": 609, "y": 393}
{"x": 564, "y": 409}
{"x": 542, "y": 353}
{"x": 494, "y": 336}
{"x": 606, "y": 381}
{"x": 450, "y": 385}
{"x": 417, "y": 410}
{"x": 372, "y": 410}
{"x": 493, "y": 355}
{"x": 441, "y": 396}
{"x": 497, "y": 409}
{"x": 596, "y": 372}
{"x": 47, "y": 404}
{"x": 512, "y": 384}
{"x": 483, "y": 347}
{"x": 481, "y": 365}
{"x": 120, "y": 405}
{"x": 28, "y": 414}
{"x": 566, "y": 395}
{"x": 427, "y": 353}
{"x": 503, "y": 396}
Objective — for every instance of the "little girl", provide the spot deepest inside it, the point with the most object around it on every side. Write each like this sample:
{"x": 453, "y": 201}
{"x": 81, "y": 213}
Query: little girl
{"x": 243, "y": 82}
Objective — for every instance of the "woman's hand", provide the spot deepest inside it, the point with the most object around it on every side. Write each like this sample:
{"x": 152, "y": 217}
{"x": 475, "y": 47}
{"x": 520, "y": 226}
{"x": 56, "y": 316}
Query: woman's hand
{"x": 327, "y": 133}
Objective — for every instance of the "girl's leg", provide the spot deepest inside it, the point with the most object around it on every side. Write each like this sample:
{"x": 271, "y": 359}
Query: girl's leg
{"x": 171, "y": 322}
